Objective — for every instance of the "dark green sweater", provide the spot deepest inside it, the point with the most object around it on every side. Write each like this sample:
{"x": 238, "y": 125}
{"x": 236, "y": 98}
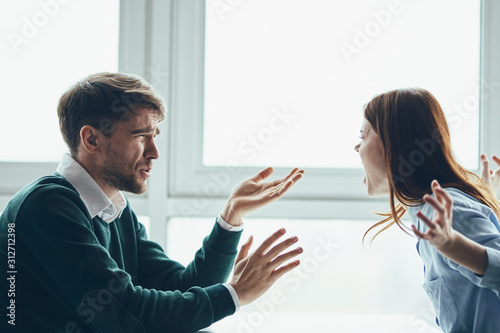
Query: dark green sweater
{"x": 77, "y": 274}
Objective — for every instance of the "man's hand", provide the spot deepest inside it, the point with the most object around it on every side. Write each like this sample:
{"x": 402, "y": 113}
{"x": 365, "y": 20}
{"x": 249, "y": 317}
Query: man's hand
{"x": 490, "y": 177}
{"x": 254, "y": 274}
{"x": 253, "y": 193}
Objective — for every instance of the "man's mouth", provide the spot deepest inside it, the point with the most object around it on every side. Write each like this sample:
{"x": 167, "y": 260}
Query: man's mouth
{"x": 145, "y": 172}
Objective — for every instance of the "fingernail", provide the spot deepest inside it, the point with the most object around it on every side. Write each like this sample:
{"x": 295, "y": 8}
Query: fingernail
{"x": 282, "y": 231}
{"x": 294, "y": 238}
{"x": 300, "y": 250}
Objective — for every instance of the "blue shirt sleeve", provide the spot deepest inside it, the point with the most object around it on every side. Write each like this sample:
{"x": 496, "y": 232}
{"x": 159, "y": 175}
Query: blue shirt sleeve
{"x": 491, "y": 278}
{"x": 480, "y": 224}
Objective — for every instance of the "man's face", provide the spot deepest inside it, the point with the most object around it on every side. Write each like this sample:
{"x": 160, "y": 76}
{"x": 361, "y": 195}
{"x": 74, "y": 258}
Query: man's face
{"x": 127, "y": 156}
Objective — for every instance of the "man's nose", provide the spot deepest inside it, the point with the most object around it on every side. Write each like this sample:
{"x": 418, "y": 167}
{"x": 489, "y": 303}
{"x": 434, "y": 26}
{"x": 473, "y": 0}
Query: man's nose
{"x": 152, "y": 151}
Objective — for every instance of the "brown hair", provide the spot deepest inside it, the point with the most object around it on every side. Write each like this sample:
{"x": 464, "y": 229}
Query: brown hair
{"x": 416, "y": 139}
{"x": 102, "y": 99}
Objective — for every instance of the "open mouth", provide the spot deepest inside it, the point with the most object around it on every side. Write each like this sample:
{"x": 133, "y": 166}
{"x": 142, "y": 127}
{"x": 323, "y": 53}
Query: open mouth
{"x": 145, "y": 172}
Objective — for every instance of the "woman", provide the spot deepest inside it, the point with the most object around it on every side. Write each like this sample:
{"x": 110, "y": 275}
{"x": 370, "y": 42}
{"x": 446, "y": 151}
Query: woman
{"x": 406, "y": 153}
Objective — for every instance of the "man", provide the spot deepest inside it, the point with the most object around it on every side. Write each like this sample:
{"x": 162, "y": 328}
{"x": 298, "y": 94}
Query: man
{"x": 83, "y": 262}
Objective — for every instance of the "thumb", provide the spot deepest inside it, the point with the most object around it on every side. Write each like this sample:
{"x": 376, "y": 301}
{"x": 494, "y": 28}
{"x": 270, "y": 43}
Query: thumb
{"x": 244, "y": 250}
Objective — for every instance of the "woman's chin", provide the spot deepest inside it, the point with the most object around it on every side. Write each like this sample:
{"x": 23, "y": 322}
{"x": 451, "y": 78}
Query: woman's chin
{"x": 372, "y": 191}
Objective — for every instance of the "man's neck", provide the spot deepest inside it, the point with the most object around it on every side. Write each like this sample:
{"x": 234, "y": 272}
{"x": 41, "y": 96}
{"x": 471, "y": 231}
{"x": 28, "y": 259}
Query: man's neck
{"x": 93, "y": 170}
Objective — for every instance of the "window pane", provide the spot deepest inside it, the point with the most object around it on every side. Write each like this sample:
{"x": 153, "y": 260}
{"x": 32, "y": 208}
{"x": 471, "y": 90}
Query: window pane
{"x": 49, "y": 46}
{"x": 146, "y": 221}
{"x": 286, "y": 80}
{"x": 337, "y": 275}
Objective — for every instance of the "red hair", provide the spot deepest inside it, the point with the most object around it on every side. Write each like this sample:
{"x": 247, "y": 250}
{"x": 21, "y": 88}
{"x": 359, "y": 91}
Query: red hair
{"x": 417, "y": 148}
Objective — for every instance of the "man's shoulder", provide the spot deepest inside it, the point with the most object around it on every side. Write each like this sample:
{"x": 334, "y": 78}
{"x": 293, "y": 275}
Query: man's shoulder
{"x": 44, "y": 187}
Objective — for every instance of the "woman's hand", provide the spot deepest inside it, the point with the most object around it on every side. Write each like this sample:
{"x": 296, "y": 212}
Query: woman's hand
{"x": 490, "y": 177}
{"x": 447, "y": 240}
{"x": 440, "y": 234}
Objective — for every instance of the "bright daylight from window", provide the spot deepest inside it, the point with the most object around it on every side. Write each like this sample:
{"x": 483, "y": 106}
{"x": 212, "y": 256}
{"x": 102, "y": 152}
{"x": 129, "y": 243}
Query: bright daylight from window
{"x": 337, "y": 276}
{"x": 286, "y": 80}
{"x": 44, "y": 42}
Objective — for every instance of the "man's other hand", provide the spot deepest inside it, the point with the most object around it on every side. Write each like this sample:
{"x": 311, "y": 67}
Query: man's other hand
{"x": 254, "y": 274}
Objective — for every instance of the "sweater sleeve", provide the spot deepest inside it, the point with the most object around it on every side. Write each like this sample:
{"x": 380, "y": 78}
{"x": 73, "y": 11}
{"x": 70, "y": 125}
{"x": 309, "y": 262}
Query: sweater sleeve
{"x": 211, "y": 265}
{"x": 56, "y": 231}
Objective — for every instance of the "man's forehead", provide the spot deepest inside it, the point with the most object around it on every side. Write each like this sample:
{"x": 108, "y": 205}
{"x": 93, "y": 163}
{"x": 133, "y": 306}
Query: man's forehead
{"x": 141, "y": 118}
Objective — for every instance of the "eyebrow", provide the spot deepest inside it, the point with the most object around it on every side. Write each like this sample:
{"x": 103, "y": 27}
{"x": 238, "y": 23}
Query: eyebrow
{"x": 145, "y": 131}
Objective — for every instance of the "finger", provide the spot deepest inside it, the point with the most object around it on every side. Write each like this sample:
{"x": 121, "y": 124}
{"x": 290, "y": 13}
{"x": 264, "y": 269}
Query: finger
{"x": 485, "y": 167}
{"x": 446, "y": 197}
{"x": 262, "y": 174}
{"x": 284, "y": 269}
{"x": 286, "y": 186}
{"x": 280, "y": 190}
{"x": 284, "y": 258}
{"x": 294, "y": 175}
{"x": 269, "y": 241}
{"x": 435, "y": 204}
{"x": 244, "y": 250}
{"x": 434, "y": 186}
{"x": 417, "y": 232}
{"x": 426, "y": 220}
{"x": 496, "y": 159}
{"x": 290, "y": 174}
{"x": 277, "y": 249}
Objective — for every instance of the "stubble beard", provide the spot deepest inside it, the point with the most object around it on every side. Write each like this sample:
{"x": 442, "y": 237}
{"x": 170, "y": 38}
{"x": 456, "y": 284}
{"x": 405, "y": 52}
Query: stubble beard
{"x": 114, "y": 176}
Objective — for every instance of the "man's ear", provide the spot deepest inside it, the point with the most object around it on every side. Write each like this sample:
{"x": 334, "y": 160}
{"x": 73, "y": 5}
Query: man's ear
{"x": 91, "y": 139}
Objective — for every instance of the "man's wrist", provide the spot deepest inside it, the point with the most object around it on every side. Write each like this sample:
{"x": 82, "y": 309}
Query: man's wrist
{"x": 226, "y": 226}
{"x": 229, "y": 215}
{"x": 234, "y": 295}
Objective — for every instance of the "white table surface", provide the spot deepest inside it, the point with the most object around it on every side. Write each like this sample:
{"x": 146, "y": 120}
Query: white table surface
{"x": 256, "y": 322}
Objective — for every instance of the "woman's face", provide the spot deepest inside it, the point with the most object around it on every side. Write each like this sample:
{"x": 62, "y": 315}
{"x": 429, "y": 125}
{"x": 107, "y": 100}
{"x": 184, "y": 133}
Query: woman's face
{"x": 371, "y": 151}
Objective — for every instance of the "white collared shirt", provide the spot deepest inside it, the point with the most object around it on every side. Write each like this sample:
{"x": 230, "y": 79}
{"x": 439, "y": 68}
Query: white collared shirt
{"x": 94, "y": 198}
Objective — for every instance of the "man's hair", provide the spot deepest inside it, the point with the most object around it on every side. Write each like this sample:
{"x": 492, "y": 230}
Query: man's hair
{"x": 100, "y": 100}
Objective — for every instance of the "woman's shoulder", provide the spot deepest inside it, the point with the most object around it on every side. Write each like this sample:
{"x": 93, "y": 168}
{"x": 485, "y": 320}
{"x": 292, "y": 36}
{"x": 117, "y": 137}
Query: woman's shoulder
{"x": 470, "y": 215}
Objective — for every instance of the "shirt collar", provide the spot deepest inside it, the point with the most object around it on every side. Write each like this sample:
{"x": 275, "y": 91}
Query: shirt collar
{"x": 94, "y": 198}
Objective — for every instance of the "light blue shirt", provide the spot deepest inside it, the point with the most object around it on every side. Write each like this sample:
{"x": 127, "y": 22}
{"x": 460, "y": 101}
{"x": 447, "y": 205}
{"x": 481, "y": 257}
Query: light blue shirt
{"x": 463, "y": 301}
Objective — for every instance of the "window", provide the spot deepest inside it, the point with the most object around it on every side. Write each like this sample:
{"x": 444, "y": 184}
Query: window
{"x": 267, "y": 72}
{"x": 361, "y": 287}
{"x": 288, "y": 88}
{"x": 49, "y": 46}
{"x": 283, "y": 83}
